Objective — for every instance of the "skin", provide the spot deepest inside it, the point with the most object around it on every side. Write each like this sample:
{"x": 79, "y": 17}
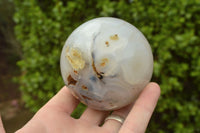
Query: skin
{"x": 54, "y": 117}
{"x": 1, "y": 126}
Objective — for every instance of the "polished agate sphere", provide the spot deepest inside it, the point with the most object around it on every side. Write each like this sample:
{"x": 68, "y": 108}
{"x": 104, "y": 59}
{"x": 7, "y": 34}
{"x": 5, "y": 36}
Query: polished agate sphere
{"x": 106, "y": 62}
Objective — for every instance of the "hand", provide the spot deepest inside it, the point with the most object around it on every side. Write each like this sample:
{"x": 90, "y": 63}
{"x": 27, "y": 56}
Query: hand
{"x": 54, "y": 117}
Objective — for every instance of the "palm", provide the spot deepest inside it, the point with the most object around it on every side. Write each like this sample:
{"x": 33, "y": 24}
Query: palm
{"x": 55, "y": 117}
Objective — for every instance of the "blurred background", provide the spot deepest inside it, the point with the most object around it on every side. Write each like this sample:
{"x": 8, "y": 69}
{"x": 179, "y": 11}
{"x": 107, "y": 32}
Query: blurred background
{"x": 32, "y": 33}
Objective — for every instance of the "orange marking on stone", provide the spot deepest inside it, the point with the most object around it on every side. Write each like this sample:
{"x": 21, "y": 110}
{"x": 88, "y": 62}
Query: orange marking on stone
{"x": 85, "y": 97}
{"x": 84, "y": 87}
{"x": 71, "y": 80}
{"x": 75, "y": 72}
{"x": 107, "y": 43}
{"x": 114, "y": 37}
{"x": 103, "y": 62}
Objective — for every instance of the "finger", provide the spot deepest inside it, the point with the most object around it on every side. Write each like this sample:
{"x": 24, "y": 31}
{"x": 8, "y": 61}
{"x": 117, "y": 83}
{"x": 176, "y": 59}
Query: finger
{"x": 138, "y": 118}
{"x": 94, "y": 116}
{"x": 63, "y": 101}
{"x": 113, "y": 125}
{"x": 1, "y": 126}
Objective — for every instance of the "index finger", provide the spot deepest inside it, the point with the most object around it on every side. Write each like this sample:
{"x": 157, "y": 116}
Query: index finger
{"x": 139, "y": 116}
{"x": 64, "y": 101}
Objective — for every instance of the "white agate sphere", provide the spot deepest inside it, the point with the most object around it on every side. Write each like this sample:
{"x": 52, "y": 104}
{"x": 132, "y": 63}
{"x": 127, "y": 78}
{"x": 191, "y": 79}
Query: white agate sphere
{"x": 106, "y": 62}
